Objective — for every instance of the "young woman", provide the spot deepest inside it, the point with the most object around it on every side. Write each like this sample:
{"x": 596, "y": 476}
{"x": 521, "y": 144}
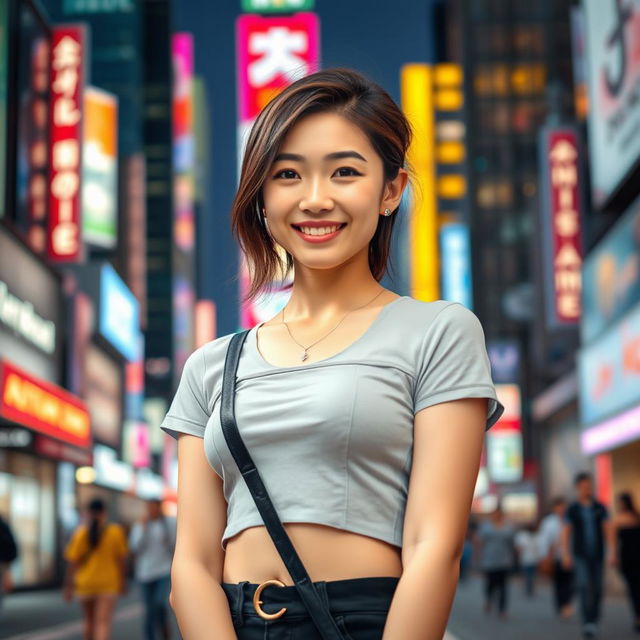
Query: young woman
{"x": 97, "y": 557}
{"x": 364, "y": 411}
{"x": 626, "y": 553}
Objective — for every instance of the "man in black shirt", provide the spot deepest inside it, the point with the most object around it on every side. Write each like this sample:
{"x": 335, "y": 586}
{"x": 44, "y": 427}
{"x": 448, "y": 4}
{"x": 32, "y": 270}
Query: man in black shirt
{"x": 586, "y": 534}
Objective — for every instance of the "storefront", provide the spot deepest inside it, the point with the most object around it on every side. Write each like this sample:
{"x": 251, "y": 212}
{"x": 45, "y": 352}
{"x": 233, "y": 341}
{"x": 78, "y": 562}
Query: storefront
{"x": 609, "y": 362}
{"x": 41, "y": 424}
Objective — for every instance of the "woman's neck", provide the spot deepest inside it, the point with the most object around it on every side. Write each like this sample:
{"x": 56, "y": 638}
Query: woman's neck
{"x": 330, "y": 292}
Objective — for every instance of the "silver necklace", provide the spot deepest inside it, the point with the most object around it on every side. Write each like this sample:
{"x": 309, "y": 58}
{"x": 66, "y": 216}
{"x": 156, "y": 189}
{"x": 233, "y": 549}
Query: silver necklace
{"x": 305, "y": 353}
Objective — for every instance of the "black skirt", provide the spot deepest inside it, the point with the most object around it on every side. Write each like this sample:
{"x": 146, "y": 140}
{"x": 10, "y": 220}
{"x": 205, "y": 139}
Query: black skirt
{"x": 359, "y": 606}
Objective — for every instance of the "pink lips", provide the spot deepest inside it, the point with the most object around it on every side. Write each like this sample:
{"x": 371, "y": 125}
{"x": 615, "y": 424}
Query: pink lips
{"x": 318, "y": 239}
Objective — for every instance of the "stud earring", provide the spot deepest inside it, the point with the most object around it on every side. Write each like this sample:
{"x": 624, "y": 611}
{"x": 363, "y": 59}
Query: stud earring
{"x": 387, "y": 212}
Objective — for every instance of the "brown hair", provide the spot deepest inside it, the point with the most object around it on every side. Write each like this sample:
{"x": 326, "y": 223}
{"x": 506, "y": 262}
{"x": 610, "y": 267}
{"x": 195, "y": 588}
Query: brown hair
{"x": 341, "y": 91}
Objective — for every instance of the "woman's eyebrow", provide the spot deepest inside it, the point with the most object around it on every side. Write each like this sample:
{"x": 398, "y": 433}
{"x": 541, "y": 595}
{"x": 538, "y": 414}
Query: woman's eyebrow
{"x": 337, "y": 155}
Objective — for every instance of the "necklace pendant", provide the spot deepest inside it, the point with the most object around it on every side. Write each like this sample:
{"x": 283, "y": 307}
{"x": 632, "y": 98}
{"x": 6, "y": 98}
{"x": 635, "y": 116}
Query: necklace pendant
{"x": 305, "y": 355}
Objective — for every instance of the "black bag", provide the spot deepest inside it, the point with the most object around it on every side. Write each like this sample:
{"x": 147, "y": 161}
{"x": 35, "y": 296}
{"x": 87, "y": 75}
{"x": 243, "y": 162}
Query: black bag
{"x": 318, "y": 611}
{"x": 8, "y": 546}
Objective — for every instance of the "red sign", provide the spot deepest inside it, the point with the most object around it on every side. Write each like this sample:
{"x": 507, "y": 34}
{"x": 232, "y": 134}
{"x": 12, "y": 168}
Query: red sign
{"x": 64, "y": 240}
{"x": 60, "y": 451}
{"x": 272, "y": 53}
{"x": 563, "y": 205}
{"x": 43, "y": 407}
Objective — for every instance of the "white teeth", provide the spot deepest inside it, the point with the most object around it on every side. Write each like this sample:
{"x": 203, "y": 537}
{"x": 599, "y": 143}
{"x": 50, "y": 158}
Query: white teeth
{"x": 318, "y": 231}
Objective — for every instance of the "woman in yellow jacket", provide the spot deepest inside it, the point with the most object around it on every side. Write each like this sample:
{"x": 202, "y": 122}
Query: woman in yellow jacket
{"x": 96, "y": 573}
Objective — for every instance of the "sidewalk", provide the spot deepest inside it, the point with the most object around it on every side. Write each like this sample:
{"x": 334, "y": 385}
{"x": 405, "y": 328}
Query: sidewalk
{"x": 530, "y": 618}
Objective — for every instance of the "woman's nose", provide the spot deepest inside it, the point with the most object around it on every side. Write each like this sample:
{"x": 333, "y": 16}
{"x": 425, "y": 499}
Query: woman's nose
{"x": 317, "y": 198}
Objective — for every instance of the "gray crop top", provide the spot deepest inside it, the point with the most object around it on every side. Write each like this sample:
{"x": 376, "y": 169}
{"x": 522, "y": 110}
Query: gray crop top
{"x": 333, "y": 439}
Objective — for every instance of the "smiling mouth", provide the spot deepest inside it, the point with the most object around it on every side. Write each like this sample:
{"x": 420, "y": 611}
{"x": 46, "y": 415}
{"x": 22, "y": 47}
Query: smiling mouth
{"x": 319, "y": 231}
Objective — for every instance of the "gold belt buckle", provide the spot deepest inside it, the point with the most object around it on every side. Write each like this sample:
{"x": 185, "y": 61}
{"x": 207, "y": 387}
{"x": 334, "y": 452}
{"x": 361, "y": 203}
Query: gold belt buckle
{"x": 257, "y": 602}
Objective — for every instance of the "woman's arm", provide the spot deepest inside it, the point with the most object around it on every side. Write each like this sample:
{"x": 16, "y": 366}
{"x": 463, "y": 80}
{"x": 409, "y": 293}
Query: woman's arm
{"x": 448, "y": 439}
{"x": 197, "y": 598}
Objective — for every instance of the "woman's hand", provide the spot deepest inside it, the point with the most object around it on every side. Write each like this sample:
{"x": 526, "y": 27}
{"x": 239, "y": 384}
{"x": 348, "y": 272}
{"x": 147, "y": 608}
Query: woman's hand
{"x": 67, "y": 593}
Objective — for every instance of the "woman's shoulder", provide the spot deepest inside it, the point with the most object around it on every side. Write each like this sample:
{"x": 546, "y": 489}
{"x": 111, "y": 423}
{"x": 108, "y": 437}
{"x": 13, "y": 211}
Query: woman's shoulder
{"x": 434, "y": 313}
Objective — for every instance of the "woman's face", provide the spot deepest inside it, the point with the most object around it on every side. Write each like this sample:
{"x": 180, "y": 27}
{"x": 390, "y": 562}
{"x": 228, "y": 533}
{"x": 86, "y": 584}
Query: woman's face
{"x": 325, "y": 191}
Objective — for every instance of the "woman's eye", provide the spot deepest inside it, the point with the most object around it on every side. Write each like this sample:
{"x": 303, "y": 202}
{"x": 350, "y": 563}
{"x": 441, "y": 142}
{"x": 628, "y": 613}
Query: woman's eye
{"x": 345, "y": 172}
{"x": 287, "y": 174}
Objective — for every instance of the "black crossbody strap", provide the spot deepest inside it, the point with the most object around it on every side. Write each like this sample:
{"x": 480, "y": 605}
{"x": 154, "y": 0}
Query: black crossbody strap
{"x": 318, "y": 611}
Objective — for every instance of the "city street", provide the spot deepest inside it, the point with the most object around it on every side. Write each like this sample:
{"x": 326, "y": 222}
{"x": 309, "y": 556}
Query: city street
{"x": 42, "y": 616}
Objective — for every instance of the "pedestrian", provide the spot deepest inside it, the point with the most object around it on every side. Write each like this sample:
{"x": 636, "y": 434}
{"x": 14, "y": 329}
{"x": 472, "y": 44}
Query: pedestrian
{"x": 152, "y": 542}
{"x": 527, "y": 547}
{"x": 586, "y": 534}
{"x": 359, "y": 414}
{"x": 549, "y": 538}
{"x": 97, "y": 570}
{"x": 8, "y": 553}
{"x": 497, "y": 559}
{"x": 626, "y": 529}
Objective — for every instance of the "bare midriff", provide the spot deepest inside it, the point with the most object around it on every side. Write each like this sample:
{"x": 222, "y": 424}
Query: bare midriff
{"x": 326, "y": 552}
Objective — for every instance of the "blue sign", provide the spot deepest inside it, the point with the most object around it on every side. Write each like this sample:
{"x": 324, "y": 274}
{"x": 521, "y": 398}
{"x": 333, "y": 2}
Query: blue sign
{"x": 611, "y": 275}
{"x": 609, "y": 371}
{"x": 119, "y": 314}
{"x": 455, "y": 264}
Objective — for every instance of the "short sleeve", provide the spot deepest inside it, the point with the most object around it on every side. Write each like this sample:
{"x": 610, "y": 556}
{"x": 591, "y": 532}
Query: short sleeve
{"x": 188, "y": 412}
{"x": 454, "y": 363}
{"x": 76, "y": 546}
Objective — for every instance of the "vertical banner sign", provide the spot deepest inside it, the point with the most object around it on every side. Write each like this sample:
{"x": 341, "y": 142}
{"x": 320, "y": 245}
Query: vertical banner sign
{"x": 272, "y": 52}
{"x": 561, "y": 216}
{"x": 416, "y": 89}
{"x": 100, "y": 168}
{"x": 38, "y": 151}
{"x": 183, "y": 198}
{"x": 456, "y": 263}
{"x": 64, "y": 242}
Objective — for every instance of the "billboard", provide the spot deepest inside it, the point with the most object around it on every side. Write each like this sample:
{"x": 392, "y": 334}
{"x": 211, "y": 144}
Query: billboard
{"x": 119, "y": 315}
{"x": 561, "y": 210}
{"x": 613, "y": 40}
{"x": 100, "y": 168}
{"x": 272, "y": 52}
{"x": 42, "y": 406}
{"x": 64, "y": 238}
{"x": 611, "y": 275}
{"x": 609, "y": 370}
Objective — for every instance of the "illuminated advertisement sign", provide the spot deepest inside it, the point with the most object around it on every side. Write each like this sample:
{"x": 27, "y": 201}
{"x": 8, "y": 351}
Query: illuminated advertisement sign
{"x": 272, "y": 52}
{"x": 119, "y": 313}
{"x": 183, "y": 199}
{"x": 35, "y": 114}
{"x": 609, "y": 370}
{"x": 611, "y": 275}
{"x": 42, "y": 406}
{"x": 64, "y": 240}
{"x": 100, "y": 168}
{"x": 30, "y": 310}
{"x": 561, "y": 208}
{"x": 456, "y": 263}
{"x": 136, "y": 448}
{"x": 504, "y": 440}
{"x": 111, "y": 472}
{"x": 613, "y": 40}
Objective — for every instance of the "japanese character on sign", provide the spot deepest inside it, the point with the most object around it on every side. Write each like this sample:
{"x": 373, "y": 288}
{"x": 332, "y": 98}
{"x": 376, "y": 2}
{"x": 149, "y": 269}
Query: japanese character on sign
{"x": 279, "y": 48}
